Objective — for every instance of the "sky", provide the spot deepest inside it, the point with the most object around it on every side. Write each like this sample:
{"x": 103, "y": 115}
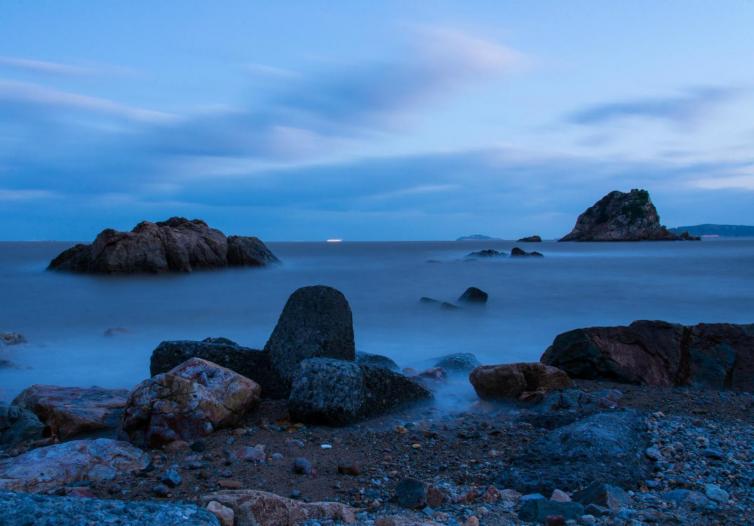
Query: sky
{"x": 390, "y": 120}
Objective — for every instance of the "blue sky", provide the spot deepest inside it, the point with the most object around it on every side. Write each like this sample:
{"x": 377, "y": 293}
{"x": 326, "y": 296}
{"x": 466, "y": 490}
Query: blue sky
{"x": 371, "y": 120}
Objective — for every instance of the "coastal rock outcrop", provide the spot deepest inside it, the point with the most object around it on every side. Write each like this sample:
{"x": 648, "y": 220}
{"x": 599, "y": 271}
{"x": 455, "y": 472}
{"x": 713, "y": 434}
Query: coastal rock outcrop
{"x": 493, "y": 382}
{"x": 339, "y": 392}
{"x": 473, "y": 295}
{"x": 18, "y": 425}
{"x": 711, "y": 355}
{"x": 518, "y": 253}
{"x": 316, "y": 322}
{"x": 51, "y": 467}
{"x": 376, "y": 360}
{"x": 460, "y": 362}
{"x": 188, "y": 402}
{"x": 175, "y": 245}
{"x": 260, "y": 508}
{"x": 251, "y": 363}
{"x": 23, "y": 509}
{"x": 530, "y": 239}
{"x": 621, "y": 216}
{"x": 486, "y": 253}
{"x": 70, "y": 411}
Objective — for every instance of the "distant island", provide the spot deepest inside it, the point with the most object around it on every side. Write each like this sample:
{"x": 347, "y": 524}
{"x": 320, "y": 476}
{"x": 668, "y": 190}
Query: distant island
{"x": 477, "y": 237}
{"x": 716, "y": 230}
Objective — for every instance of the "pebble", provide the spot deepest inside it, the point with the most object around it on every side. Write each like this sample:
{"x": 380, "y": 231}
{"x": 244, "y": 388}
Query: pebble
{"x": 716, "y": 493}
{"x": 161, "y": 490}
{"x": 302, "y": 466}
{"x": 560, "y": 496}
{"x": 171, "y": 478}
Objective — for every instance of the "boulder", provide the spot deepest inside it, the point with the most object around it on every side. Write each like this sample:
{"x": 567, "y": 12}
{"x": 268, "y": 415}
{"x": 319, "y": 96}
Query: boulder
{"x": 530, "y": 239}
{"x": 715, "y": 355}
{"x": 538, "y": 510}
{"x": 249, "y": 252}
{"x": 11, "y": 338}
{"x": 473, "y": 295}
{"x": 251, "y": 363}
{"x": 376, "y": 360}
{"x": 519, "y": 253}
{"x": 606, "y": 447}
{"x": 611, "y": 497}
{"x": 621, "y": 216}
{"x": 486, "y": 253}
{"x": 260, "y": 508}
{"x": 70, "y": 411}
{"x": 460, "y": 362}
{"x": 18, "y": 425}
{"x": 78, "y": 461}
{"x": 338, "y": 392}
{"x": 513, "y": 380}
{"x": 22, "y": 509}
{"x": 188, "y": 402}
{"x": 175, "y": 245}
{"x": 315, "y": 322}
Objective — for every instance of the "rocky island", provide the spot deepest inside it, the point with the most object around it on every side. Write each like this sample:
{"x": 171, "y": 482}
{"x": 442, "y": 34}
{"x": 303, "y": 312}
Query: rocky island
{"x": 621, "y": 216}
{"x": 175, "y": 245}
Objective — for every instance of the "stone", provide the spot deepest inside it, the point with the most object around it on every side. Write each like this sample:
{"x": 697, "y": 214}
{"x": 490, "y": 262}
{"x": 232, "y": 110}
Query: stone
{"x": 171, "y": 478}
{"x": 316, "y": 322}
{"x": 18, "y": 425}
{"x": 493, "y": 382}
{"x": 188, "y": 402}
{"x": 339, "y": 392}
{"x": 530, "y": 239}
{"x": 560, "y": 496}
{"x": 302, "y": 466}
{"x": 716, "y": 493}
{"x": 473, "y": 295}
{"x": 249, "y": 252}
{"x": 690, "y": 499}
{"x": 708, "y": 355}
{"x": 72, "y": 411}
{"x": 460, "y": 362}
{"x": 621, "y": 216}
{"x": 538, "y": 510}
{"x": 606, "y": 446}
{"x": 411, "y": 493}
{"x": 486, "y": 253}
{"x": 21, "y": 509}
{"x": 251, "y": 363}
{"x": 260, "y": 508}
{"x": 175, "y": 245}
{"x": 12, "y": 338}
{"x": 224, "y": 514}
{"x": 376, "y": 360}
{"x": 518, "y": 253}
{"x": 607, "y": 495}
{"x": 51, "y": 467}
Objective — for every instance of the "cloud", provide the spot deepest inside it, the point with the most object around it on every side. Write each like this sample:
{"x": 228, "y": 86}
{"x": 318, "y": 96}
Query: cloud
{"x": 41, "y": 66}
{"x": 685, "y": 108}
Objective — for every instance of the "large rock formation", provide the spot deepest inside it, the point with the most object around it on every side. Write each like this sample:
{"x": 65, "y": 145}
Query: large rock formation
{"x": 23, "y": 509}
{"x": 714, "y": 355}
{"x": 18, "y": 425}
{"x": 513, "y": 380}
{"x": 338, "y": 392}
{"x": 78, "y": 461}
{"x": 251, "y": 363}
{"x": 188, "y": 402}
{"x": 175, "y": 245}
{"x": 621, "y": 216}
{"x": 70, "y": 411}
{"x": 316, "y": 322}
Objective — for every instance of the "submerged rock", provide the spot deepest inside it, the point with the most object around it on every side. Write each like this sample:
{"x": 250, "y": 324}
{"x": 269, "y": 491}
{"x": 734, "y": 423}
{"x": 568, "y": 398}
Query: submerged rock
{"x": 513, "y": 380}
{"x": 473, "y": 295}
{"x": 175, "y": 245}
{"x": 21, "y": 509}
{"x": 460, "y": 362}
{"x": 12, "y": 338}
{"x": 18, "y": 425}
{"x": 251, "y": 363}
{"x": 48, "y": 468}
{"x": 486, "y": 253}
{"x": 714, "y": 355}
{"x": 530, "y": 239}
{"x": 338, "y": 392}
{"x": 315, "y": 322}
{"x": 519, "y": 253}
{"x": 70, "y": 411}
{"x": 622, "y": 216}
{"x": 188, "y": 402}
{"x": 260, "y": 508}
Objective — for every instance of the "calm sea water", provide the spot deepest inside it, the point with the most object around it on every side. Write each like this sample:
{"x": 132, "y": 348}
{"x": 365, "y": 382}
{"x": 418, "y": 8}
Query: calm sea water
{"x": 531, "y": 300}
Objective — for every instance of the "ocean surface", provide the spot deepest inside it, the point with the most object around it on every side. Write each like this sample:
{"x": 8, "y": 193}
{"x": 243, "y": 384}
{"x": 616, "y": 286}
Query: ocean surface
{"x": 65, "y": 316}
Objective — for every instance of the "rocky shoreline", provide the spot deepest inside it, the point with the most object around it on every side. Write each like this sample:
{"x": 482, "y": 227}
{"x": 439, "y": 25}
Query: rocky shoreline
{"x": 308, "y": 431}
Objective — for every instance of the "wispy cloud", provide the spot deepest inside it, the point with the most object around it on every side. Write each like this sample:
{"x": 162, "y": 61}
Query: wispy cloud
{"x": 684, "y": 108}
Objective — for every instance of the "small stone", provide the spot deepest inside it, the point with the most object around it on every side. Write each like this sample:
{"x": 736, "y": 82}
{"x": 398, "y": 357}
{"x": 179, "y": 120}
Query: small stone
{"x": 349, "y": 469}
{"x": 653, "y": 453}
{"x": 435, "y": 497}
{"x": 296, "y": 494}
{"x": 302, "y": 466}
{"x": 716, "y": 493}
{"x": 171, "y": 478}
{"x": 560, "y": 496}
{"x": 713, "y": 453}
{"x": 587, "y": 520}
{"x": 471, "y": 521}
{"x": 411, "y": 493}
{"x": 161, "y": 490}
{"x": 224, "y": 514}
{"x": 555, "y": 520}
{"x": 230, "y": 484}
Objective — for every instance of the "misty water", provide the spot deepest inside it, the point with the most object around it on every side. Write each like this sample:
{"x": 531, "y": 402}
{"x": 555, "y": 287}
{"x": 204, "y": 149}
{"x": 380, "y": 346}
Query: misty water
{"x": 64, "y": 316}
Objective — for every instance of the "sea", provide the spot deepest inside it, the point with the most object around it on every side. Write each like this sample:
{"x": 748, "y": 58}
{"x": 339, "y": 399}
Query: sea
{"x": 66, "y": 318}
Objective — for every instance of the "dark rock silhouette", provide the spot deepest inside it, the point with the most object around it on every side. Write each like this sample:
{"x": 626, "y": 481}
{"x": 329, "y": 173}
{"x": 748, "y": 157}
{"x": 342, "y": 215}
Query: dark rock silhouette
{"x": 530, "y": 239}
{"x": 492, "y": 382}
{"x": 175, "y": 245}
{"x": 518, "y": 253}
{"x": 714, "y": 355}
{"x": 473, "y": 295}
{"x": 486, "y": 253}
{"x": 621, "y": 216}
